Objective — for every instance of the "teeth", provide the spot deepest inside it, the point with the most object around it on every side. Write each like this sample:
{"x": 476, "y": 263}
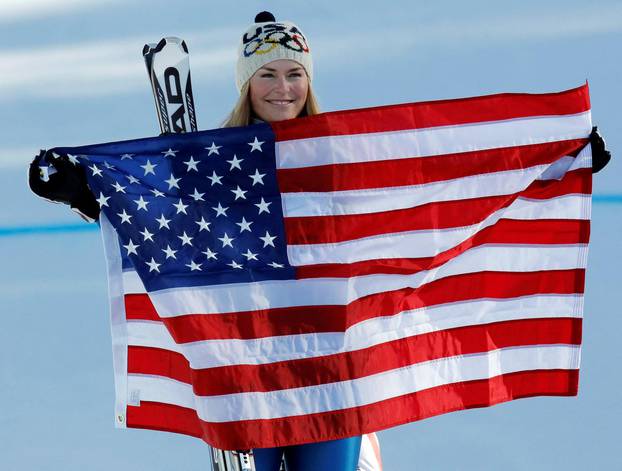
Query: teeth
{"x": 280, "y": 102}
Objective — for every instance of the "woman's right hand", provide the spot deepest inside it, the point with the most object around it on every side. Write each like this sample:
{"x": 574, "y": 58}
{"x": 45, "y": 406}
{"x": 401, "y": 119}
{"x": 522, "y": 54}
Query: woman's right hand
{"x": 66, "y": 183}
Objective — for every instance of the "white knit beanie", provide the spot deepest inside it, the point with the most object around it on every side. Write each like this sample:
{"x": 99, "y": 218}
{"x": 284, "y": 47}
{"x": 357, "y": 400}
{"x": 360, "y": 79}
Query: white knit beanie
{"x": 267, "y": 40}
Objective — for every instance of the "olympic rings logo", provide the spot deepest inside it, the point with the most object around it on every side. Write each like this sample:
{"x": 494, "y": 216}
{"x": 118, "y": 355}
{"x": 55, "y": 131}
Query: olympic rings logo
{"x": 268, "y": 37}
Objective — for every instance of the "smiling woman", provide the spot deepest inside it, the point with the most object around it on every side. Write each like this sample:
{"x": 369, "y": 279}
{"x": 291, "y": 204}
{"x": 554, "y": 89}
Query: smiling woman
{"x": 279, "y": 90}
{"x": 274, "y": 74}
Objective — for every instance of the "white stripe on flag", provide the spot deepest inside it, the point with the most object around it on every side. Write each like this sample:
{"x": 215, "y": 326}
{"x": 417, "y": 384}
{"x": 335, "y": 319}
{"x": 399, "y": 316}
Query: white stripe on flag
{"x": 238, "y": 297}
{"x": 440, "y": 140}
{"x": 153, "y": 334}
{"x": 368, "y": 333}
{"x": 357, "y": 392}
{"x": 118, "y": 325}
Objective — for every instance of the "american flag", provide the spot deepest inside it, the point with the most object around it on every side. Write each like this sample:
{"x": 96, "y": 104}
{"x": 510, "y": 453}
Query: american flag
{"x": 343, "y": 273}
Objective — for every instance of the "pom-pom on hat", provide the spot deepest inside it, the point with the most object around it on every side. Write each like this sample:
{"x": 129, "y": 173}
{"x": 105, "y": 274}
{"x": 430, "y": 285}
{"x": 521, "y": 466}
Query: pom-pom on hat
{"x": 268, "y": 40}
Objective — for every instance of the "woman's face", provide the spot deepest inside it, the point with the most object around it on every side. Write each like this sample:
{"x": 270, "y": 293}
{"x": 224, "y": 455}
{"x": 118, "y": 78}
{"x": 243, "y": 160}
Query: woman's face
{"x": 278, "y": 90}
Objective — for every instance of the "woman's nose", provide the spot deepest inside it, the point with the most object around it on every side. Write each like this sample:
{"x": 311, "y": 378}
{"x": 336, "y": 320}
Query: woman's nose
{"x": 282, "y": 83}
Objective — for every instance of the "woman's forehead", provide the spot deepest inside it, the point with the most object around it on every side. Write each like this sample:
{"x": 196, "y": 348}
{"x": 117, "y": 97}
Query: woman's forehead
{"x": 282, "y": 65}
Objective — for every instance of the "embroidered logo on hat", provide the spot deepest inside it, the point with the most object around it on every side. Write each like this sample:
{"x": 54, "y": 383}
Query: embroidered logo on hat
{"x": 271, "y": 35}
{"x": 268, "y": 40}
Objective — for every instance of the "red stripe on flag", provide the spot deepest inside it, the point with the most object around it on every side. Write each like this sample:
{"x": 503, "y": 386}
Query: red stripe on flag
{"x": 436, "y": 215}
{"x": 138, "y": 306}
{"x": 435, "y": 113}
{"x": 358, "y": 363}
{"x": 505, "y": 231}
{"x": 355, "y": 421}
{"x": 577, "y": 181}
{"x": 167, "y": 418}
{"x": 337, "y": 318}
{"x": 157, "y": 361}
{"x": 417, "y": 171}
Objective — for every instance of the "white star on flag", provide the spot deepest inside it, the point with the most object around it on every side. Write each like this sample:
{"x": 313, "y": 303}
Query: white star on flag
{"x": 203, "y": 224}
{"x": 213, "y": 149}
{"x": 169, "y": 153}
{"x": 163, "y": 222}
{"x": 194, "y": 266}
{"x": 181, "y": 207}
{"x": 235, "y": 162}
{"x": 124, "y": 217}
{"x": 257, "y": 177}
{"x": 131, "y": 248}
{"x": 226, "y": 240}
{"x": 96, "y": 170}
{"x": 250, "y": 255}
{"x": 153, "y": 266}
{"x": 102, "y": 200}
{"x": 244, "y": 225}
{"x": 197, "y": 196}
{"x": 156, "y": 193}
{"x": 118, "y": 188}
{"x": 191, "y": 164}
{"x": 149, "y": 168}
{"x": 170, "y": 253}
{"x": 172, "y": 182}
{"x": 132, "y": 179}
{"x": 185, "y": 239}
{"x": 234, "y": 264}
{"x": 239, "y": 193}
{"x": 263, "y": 206}
{"x": 268, "y": 239}
{"x": 220, "y": 211}
{"x": 209, "y": 254}
{"x": 215, "y": 179}
{"x": 141, "y": 203}
{"x": 256, "y": 145}
{"x": 147, "y": 235}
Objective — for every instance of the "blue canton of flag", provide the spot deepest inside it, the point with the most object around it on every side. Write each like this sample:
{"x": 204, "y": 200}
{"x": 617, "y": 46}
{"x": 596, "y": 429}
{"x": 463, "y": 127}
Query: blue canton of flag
{"x": 195, "y": 209}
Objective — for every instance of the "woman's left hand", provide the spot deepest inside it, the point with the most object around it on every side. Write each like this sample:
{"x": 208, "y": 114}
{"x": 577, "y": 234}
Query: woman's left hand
{"x": 600, "y": 155}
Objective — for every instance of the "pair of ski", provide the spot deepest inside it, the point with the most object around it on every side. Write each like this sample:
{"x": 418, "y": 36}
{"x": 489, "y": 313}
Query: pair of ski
{"x": 168, "y": 67}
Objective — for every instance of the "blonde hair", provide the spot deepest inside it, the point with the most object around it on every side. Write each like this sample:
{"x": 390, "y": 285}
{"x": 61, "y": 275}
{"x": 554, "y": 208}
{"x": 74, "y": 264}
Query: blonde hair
{"x": 241, "y": 115}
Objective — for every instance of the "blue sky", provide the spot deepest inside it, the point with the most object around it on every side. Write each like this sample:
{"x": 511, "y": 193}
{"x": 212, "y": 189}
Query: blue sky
{"x": 72, "y": 73}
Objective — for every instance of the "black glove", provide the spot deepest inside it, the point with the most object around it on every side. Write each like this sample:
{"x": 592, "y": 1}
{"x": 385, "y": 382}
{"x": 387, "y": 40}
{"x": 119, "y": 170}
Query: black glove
{"x": 600, "y": 155}
{"x": 66, "y": 185}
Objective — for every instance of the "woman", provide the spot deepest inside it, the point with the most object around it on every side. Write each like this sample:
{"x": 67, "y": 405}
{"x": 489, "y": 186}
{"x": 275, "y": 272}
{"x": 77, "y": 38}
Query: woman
{"x": 274, "y": 74}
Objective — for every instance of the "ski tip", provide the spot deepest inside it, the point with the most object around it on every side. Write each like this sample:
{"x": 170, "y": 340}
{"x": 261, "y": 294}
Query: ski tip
{"x": 160, "y": 45}
{"x": 170, "y": 40}
{"x": 147, "y": 48}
